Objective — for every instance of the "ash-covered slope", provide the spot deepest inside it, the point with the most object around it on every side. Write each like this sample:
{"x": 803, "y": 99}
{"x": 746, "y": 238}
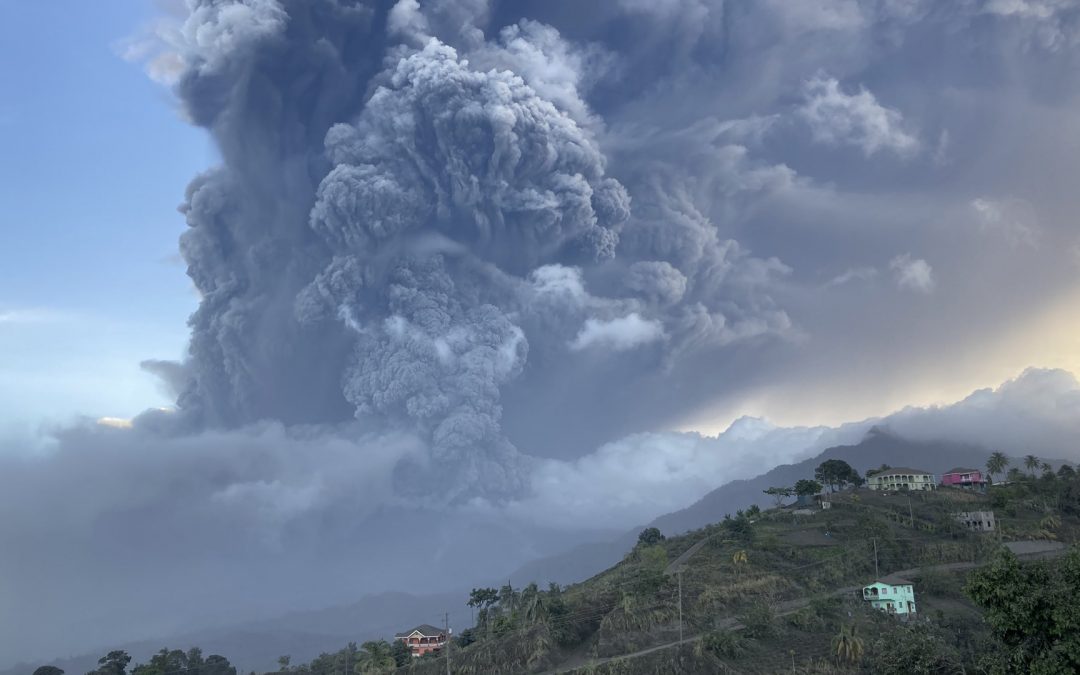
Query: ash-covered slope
{"x": 879, "y": 447}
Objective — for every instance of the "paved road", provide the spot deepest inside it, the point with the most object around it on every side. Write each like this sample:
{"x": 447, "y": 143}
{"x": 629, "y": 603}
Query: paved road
{"x": 1023, "y": 549}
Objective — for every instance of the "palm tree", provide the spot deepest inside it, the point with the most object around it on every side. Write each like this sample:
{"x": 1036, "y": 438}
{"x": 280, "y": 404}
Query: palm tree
{"x": 1047, "y": 468}
{"x": 1032, "y": 462}
{"x": 847, "y": 646}
{"x": 997, "y": 463}
{"x": 533, "y": 605}
{"x": 376, "y": 656}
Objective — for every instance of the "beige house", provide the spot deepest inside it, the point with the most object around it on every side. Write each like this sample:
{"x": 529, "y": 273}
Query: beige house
{"x": 902, "y": 478}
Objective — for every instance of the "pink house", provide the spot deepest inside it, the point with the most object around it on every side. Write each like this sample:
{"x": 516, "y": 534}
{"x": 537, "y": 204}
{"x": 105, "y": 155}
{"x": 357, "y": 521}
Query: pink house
{"x": 970, "y": 479}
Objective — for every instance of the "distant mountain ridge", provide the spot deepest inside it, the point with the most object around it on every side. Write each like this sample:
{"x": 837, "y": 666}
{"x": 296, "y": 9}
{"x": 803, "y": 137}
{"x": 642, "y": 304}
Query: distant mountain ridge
{"x": 879, "y": 446}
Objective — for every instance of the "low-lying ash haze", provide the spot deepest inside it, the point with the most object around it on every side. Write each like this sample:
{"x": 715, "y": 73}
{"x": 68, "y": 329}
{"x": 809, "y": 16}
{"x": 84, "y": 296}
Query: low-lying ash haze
{"x": 479, "y": 280}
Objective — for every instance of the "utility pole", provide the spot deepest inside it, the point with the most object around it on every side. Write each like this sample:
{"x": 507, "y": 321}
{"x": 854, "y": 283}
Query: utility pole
{"x": 678, "y": 573}
{"x": 911, "y": 514}
{"x": 446, "y": 626}
{"x": 876, "y": 572}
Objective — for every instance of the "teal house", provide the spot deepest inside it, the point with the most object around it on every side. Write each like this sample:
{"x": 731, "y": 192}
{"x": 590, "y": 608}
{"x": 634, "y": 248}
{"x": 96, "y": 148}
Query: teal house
{"x": 891, "y": 594}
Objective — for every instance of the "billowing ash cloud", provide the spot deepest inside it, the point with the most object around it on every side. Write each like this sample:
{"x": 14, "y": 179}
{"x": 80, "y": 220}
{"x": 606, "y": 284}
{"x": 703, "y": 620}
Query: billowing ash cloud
{"x": 372, "y": 243}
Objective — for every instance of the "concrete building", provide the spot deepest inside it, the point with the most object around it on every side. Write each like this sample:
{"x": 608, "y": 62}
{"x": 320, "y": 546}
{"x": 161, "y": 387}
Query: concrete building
{"x": 902, "y": 478}
{"x": 977, "y": 521}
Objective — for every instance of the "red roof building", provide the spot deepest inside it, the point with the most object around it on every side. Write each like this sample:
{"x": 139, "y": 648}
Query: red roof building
{"x": 423, "y": 639}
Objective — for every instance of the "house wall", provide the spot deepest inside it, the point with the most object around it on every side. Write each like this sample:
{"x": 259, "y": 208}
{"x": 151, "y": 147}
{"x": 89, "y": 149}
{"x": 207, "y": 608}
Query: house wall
{"x": 977, "y": 521}
{"x": 909, "y": 481}
{"x": 423, "y": 645}
{"x": 891, "y": 599}
{"x": 970, "y": 478}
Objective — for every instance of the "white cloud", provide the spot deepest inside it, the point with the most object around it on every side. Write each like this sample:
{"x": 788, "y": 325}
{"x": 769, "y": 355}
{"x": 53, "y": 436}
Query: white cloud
{"x": 835, "y": 15}
{"x": 852, "y": 275}
{"x": 32, "y": 316}
{"x": 619, "y": 334}
{"x": 631, "y": 481}
{"x": 913, "y": 274}
{"x": 838, "y": 118}
{"x": 1052, "y": 24}
{"x": 1033, "y": 9}
{"x": 1013, "y": 220}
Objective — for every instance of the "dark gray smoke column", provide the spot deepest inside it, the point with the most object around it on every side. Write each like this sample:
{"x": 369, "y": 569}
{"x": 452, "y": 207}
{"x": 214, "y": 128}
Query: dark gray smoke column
{"x": 391, "y": 290}
{"x": 267, "y": 79}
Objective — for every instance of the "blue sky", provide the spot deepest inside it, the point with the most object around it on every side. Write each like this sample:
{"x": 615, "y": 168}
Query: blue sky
{"x": 95, "y": 160}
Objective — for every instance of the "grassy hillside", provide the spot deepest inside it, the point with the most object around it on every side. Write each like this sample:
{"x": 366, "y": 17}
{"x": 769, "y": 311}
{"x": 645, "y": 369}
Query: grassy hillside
{"x": 763, "y": 591}
{"x": 878, "y": 447}
{"x": 778, "y": 590}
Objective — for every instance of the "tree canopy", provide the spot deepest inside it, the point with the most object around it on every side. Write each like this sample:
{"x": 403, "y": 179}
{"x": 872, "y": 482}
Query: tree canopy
{"x": 650, "y": 536}
{"x": 779, "y": 494}
{"x": 113, "y": 663}
{"x": 836, "y": 473}
{"x": 1032, "y": 610}
{"x": 1032, "y": 463}
{"x": 166, "y": 661}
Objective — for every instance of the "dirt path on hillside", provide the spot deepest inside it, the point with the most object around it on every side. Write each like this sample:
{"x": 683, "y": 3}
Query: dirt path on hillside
{"x": 1028, "y": 550}
{"x": 686, "y": 555}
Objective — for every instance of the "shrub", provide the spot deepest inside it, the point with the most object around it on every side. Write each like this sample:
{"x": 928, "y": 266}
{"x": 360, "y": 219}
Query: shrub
{"x": 912, "y": 648}
{"x": 758, "y": 620}
{"x": 725, "y": 644}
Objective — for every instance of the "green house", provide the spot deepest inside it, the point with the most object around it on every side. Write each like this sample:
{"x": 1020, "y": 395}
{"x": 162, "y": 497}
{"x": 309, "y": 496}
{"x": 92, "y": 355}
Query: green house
{"x": 891, "y": 594}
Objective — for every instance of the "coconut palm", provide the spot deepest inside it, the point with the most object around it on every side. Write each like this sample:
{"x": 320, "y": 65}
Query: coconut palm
{"x": 1032, "y": 462}
{"x": 847, "y": 646}
{"x": 533, "y": 605}
{"x": 376, "y": 656}
{"x": 997, "y": 463}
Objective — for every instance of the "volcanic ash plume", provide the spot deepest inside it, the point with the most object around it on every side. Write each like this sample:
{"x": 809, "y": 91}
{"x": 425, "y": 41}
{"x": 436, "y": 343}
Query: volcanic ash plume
{"x": 408, "y": 276}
